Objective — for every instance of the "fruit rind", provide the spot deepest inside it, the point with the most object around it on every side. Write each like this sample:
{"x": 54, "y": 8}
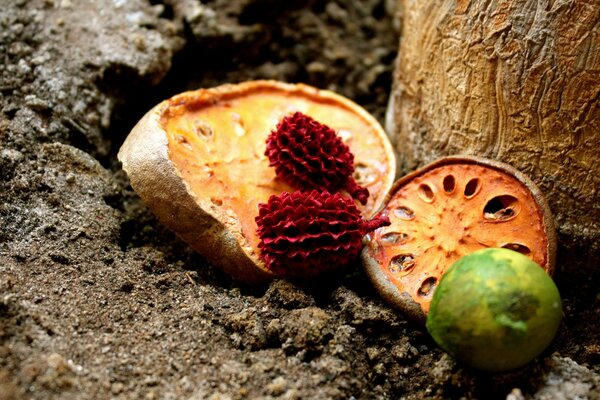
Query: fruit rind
{"x": 495, "y": 310}
{"x": 402, "y": 300}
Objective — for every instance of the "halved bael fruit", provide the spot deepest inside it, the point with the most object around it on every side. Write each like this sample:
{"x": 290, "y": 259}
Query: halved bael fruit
{"x": 197, "y": 161}
{"x": 446, "y": 210}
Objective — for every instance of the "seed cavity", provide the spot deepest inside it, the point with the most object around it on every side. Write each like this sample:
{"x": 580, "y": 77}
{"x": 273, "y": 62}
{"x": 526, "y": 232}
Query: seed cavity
{"x": 405, "y": 213}
{"x": 501, "y": 208}
{"x": 449, "y": 184}
{"x": 402, "y": 263}
{"x": 363, "y": 174}
{"x": 345, "y": 135}
{"x": 394, "y": 237}
{"x": 216, "y": 201}
{"x": 208, "y": 171}
{"x": 472, "y": 187}
{"x": 238, "y": 124}
{"x": 427, "y": 287}
{"x": 184, "y": 142}
{"x": 426, "y": 193}
{"x": 202, "y": 129}
{"x": 521, "y": 248}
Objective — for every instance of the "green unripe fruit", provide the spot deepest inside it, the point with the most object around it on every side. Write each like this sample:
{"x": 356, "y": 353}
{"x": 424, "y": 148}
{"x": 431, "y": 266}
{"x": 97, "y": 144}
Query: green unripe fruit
{"x": 494, "y": 310}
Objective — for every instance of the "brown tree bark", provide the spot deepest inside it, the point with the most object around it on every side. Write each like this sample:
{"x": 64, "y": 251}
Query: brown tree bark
{"x": 516, "y": 81}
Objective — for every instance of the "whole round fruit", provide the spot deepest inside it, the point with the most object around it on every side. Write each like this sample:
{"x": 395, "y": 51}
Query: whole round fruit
{"x": 495, "y": 310}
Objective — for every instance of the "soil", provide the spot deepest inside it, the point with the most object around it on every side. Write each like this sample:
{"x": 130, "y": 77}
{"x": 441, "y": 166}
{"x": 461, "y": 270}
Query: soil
{"x": 98, "y": 300}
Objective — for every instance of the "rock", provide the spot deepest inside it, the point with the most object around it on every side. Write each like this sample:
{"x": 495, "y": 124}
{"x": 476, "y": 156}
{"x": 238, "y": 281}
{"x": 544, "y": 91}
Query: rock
{"x": 567, "y": 380}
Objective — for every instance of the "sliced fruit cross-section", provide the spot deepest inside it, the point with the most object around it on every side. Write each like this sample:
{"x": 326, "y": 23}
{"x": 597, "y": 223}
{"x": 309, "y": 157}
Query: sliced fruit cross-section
{"x": 197, "y": 160}
{"x": 449, "y": 209}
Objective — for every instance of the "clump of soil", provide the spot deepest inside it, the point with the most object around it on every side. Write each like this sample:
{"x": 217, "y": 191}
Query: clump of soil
{"x": 98, "y": 300}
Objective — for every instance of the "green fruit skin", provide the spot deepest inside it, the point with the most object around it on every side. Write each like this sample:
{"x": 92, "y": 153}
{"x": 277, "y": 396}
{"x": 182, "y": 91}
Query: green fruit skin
{"x": 495, "y": 310}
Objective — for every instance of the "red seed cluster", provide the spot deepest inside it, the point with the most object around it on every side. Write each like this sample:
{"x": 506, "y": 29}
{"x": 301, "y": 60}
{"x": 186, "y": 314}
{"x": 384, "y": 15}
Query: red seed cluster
{"x": 304, "y": 233}
{"x": 309, "y": 155}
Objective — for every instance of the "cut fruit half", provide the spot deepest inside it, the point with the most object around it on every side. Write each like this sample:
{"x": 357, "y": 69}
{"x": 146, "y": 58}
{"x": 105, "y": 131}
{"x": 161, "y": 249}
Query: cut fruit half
{"x": 197, "y": 161}
{"x": 446, "y": 210}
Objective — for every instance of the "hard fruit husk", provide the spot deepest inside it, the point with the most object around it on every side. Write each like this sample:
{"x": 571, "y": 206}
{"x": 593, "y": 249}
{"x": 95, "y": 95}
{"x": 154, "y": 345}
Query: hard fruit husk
{"x": 197, "y": 161}
{"x": 495, "y": 310}
{"x": 447, "y": 224}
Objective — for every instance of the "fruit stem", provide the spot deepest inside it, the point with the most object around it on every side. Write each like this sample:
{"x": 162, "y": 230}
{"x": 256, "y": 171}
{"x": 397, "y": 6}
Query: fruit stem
{"x": 357, "y": 192}
{"x": 375, "y": 223}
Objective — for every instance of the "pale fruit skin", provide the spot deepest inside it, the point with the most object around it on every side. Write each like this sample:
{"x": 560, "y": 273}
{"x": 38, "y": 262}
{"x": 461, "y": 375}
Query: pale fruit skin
{"x": 495, "y": 310}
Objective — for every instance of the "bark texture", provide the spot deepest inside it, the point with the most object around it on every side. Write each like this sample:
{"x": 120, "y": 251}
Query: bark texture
{"x": 512, "y": 81}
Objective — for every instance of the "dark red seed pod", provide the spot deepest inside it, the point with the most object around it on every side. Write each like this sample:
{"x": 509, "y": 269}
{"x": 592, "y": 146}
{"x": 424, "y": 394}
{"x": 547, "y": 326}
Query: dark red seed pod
{"x": 309, "y": 155}
{"x": 304, "y": 233}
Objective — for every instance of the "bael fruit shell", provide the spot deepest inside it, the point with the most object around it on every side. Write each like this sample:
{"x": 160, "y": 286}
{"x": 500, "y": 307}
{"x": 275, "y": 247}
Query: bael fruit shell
{"x": 445, "y": 210}
{"x": 495, "y": 310}
{"x": 197, "y": 161}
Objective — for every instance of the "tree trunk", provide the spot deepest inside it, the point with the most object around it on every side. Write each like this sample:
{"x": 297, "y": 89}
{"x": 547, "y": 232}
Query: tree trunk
{"x": 516, "y": 81}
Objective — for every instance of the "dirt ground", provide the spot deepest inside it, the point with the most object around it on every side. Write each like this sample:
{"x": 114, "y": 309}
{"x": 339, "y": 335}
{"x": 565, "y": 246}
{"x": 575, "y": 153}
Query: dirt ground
{"x": 98, "y": 300}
